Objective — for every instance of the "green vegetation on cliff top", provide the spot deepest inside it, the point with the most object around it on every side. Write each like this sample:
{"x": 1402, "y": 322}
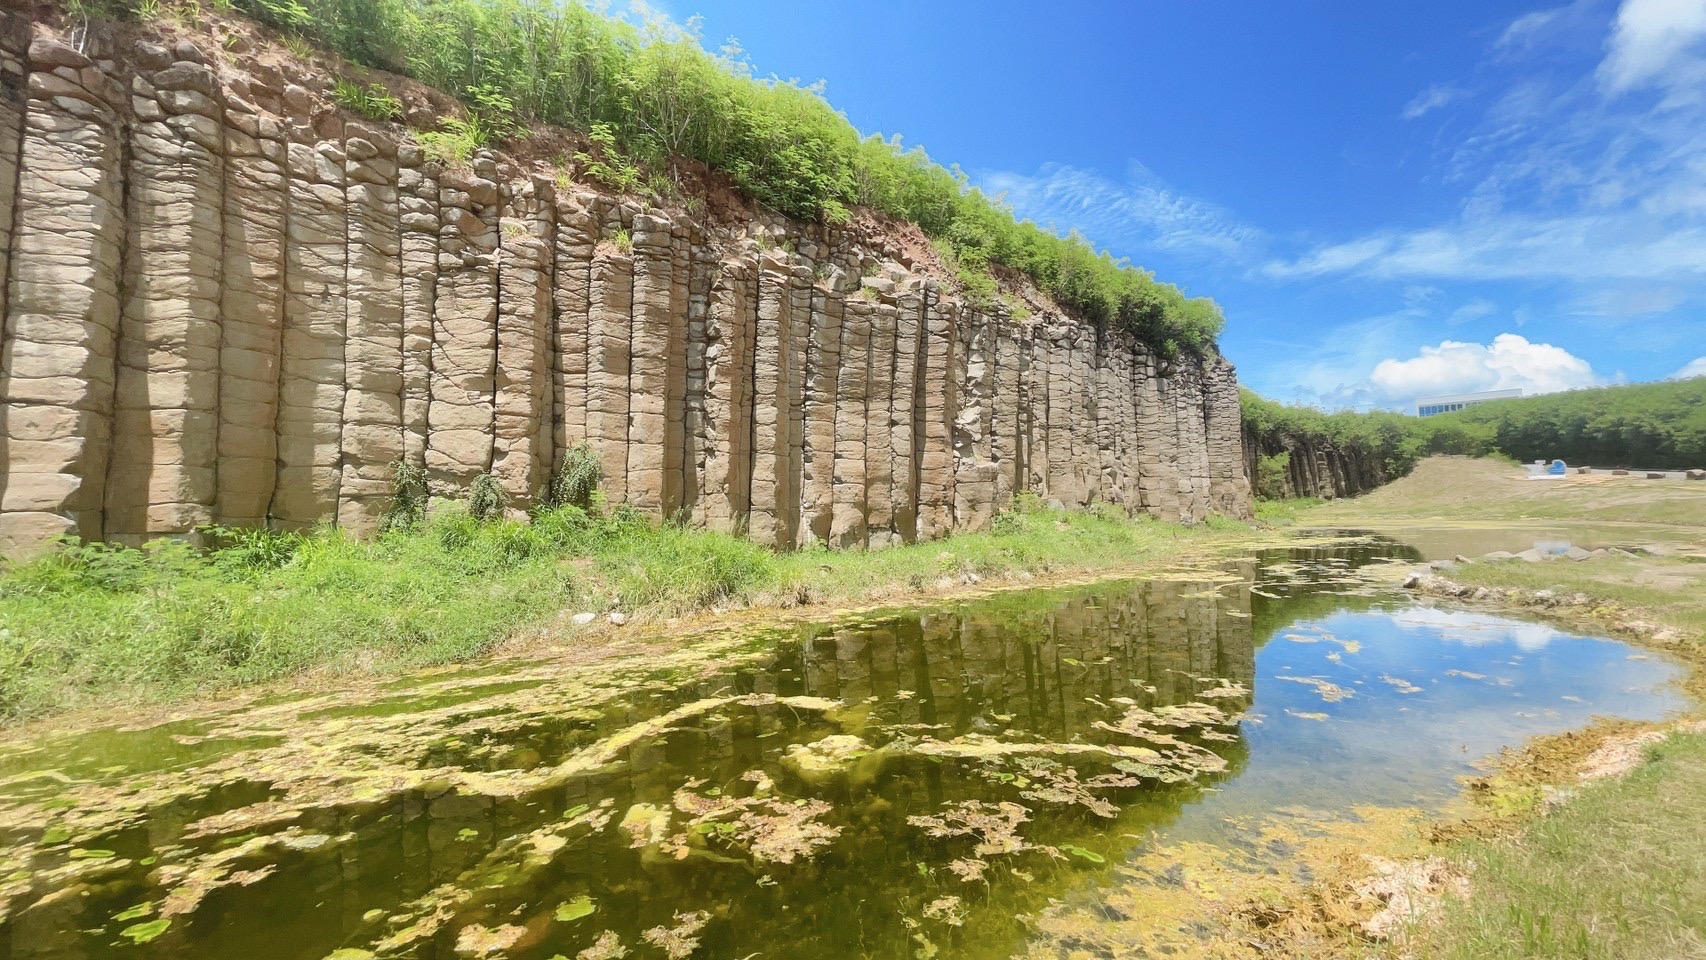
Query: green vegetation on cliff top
{"x": 649, "y": 94}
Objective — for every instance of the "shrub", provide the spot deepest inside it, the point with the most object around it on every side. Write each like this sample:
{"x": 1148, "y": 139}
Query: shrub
{"x": 409, "y": 497}
{"x": 576, "y": 481}
{"x": 487, "y": 498}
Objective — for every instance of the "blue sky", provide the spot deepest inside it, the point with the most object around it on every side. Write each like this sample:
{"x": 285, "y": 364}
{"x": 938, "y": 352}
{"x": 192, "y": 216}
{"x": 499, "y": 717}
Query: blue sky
{"x": 1388, "y": 199}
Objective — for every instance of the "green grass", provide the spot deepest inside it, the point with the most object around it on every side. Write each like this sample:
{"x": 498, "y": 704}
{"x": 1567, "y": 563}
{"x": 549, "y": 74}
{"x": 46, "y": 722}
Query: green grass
{"x": 1618, "y": 872}
{"x": 97, "y": 624}
{"x": 1497, "y": 490}
{"x": 1028, "y": 539}
{"x": 1285, "y": 512}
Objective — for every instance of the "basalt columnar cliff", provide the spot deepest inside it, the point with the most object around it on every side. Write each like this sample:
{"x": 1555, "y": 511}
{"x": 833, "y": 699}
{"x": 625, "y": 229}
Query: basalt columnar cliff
{"x": 228, "y": 301}
{"x": 1313, "y": 466}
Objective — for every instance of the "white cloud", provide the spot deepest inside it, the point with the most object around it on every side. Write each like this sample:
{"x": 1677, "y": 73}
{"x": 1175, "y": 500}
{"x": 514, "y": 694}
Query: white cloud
{"x": 1510, "y": 361}
{"x": 1648, "y": 38}
{"x": 1476, "y": 629}
{"x": 1624, "y": 246}
{"x": 1431, "y": 99}
{"x": 1693, "y": 368}
{"x": 1140, "y": 213}
{"x": 1526, "y": 29}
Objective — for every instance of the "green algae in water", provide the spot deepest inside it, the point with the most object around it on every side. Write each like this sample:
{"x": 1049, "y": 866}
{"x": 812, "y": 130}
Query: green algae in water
{"x": 870, "y": 787}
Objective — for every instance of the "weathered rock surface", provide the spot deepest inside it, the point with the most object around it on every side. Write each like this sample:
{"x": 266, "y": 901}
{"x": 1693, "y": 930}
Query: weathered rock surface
{"x": 226, "y": 301}
{"x": 1315, "y": 466}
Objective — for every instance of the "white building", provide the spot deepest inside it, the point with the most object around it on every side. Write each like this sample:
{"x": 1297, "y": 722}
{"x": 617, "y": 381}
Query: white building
{"x": 1428, "y": 406}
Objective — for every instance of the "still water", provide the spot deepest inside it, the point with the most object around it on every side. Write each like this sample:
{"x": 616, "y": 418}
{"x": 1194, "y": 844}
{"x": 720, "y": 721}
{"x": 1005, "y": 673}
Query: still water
{"x": 912, "y": 783}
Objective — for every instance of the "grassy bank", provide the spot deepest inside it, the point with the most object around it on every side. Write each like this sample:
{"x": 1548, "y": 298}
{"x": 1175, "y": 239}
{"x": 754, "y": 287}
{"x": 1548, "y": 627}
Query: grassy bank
{"x": 103, "y": 625}
{"x": 1458, "y": 489}
{"x": 1620, "y": 869}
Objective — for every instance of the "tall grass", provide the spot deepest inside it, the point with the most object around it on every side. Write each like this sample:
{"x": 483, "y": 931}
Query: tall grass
{"x": 94, "y": 623}
{"x": 653, "y": 93}
{"x": 90, "y": 623}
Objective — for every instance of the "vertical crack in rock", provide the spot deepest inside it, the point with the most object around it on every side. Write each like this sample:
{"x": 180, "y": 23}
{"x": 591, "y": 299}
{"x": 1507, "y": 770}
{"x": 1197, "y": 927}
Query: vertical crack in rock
{"x": 696, "y": 433}
{"x": 312, "y": 392}
{"x": 252, "y": 301}
{"x": 521, "y": 456}
{"x": 612, "y": 292}
{"x": 575, "y": 238}
{"x": 852, "y": 417}
{"x": 417, "y": 253}
{"x": 14, "y": 74}
{"x": 822, "y": 375}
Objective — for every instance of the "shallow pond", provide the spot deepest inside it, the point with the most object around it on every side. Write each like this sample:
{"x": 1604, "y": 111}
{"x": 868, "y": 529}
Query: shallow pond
{"x": 915, "y": 783}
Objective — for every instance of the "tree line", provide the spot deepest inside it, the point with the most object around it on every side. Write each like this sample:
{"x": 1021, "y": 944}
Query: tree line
{"x": 1649, "y": 425}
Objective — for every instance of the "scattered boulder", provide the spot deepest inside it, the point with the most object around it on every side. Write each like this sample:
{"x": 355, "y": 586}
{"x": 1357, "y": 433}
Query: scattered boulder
{"x": 825, "y": 759}
{"x": 1531, "y": 556}
{"x": 1499, "y": 555}
{"x": 583, "y": 618}
{"x": 1577, "y": 553}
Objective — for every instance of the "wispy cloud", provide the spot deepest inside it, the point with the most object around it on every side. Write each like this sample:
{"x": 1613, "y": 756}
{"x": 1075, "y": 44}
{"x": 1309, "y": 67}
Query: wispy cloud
{"x": 1139, "y": 213}
{"x": 1567, "y": 180}
{"x": 1431, "y": 99}
{"x": 1473, "y": 310}
{"x": 1514, "y": 247}
{"x": 1520, "y": 34}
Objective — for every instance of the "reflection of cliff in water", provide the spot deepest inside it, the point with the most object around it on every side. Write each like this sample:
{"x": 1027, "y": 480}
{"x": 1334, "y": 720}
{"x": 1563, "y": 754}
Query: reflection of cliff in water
{"x": 1041, "y": 668}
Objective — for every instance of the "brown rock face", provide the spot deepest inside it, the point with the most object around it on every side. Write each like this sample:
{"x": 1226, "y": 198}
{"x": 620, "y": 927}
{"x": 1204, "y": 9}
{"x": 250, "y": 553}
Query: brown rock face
{"x": 227, "y": 302}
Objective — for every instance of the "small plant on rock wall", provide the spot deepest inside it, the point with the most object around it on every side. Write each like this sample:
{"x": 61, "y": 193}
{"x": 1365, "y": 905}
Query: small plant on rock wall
{"x": 576, "y": 481}
{"x": 487, "y": 498}
{"x": 606, "y": 164}
{"x": 454, "y": 143}
{"x": 408, "y": 505}
{"x": 299, "y": 47}
{"x": 623, "y": 240}
{"x": 372, "y": 101}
